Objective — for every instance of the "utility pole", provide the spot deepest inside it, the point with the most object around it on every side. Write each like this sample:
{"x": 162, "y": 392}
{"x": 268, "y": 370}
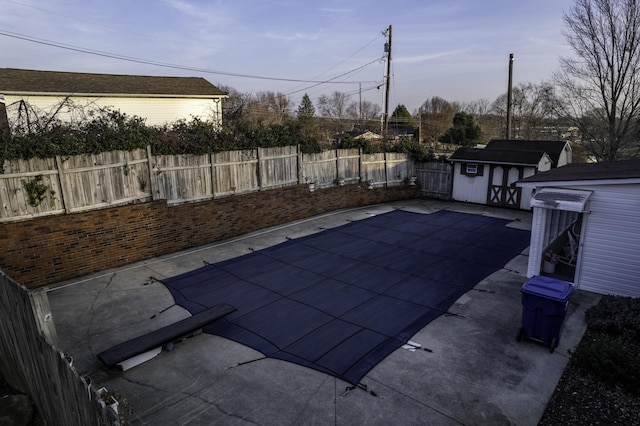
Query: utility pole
{"x": 387, "y": 49}
{"x": 509, "y": 95}
{"x": 360, "y": 105}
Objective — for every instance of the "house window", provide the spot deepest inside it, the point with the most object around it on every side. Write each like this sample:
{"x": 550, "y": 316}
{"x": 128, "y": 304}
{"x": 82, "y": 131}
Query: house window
{"x": 472, "y": 169}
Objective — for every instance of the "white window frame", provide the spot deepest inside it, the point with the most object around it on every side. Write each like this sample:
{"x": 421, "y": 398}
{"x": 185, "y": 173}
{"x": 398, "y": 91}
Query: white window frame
{"x": 471, "y": 169}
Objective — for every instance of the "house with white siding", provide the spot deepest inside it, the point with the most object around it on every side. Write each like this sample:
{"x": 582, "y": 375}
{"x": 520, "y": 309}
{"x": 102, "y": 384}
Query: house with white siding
{"x": 588, "y": 214}
{"x": 488, "y": 175}
{"x": 70, "y": 95}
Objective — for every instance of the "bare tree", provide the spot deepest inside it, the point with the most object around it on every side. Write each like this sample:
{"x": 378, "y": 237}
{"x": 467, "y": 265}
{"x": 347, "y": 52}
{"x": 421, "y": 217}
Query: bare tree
{"x": 270, "y": 108}
{"x": 477, "y": 108}
{"x": 365, "y": 115}
{"x": 334, "y": 106}
{"x": 235, "y": 107}
{"x": 600, "y": 86}
{"x": 492, "y": 125}
{"x": 364, "y": 110}
{"x": 335, "y": 110}
{"x": 533, "y": 111}
{"x": 436, "y": 115}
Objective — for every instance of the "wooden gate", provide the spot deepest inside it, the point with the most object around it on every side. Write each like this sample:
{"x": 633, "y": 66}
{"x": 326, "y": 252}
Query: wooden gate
{"x": 502, "y": 190}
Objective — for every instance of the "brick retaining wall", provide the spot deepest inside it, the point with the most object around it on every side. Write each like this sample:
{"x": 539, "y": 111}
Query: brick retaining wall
{"x": 51, "y": 249}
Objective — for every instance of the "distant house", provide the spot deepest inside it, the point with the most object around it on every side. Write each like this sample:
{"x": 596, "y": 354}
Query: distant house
{"x": 68, "y": 95}
{"x": 589, "y": 214}
{"x": 488, "y": 175}
{"x": 366, "y": 135}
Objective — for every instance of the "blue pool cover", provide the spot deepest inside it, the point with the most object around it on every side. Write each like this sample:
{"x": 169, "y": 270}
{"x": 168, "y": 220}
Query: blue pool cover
{"x": 341, "y": 300}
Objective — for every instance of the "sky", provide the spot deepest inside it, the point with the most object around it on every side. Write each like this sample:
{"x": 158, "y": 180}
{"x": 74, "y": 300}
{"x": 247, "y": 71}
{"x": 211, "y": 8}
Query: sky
{"x": 454, "y": 49}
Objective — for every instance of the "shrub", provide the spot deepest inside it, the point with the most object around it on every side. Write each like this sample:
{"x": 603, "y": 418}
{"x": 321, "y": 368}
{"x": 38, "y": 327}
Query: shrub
{"x": 102, "y": 130}
{"x": 419, "y": 151}
{"x": 610, "y": 349}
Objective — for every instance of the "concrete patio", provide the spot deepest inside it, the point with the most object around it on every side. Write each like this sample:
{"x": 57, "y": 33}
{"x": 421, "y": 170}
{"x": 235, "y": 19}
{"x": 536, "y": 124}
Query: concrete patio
{"x": 472, "y": 372}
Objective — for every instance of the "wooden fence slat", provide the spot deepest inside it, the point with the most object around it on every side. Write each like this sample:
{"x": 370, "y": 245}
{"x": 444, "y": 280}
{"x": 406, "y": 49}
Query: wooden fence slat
{"x": 435, "y": 179}
{"x": 30, "y": 361}
{"x": 85, "y": 182}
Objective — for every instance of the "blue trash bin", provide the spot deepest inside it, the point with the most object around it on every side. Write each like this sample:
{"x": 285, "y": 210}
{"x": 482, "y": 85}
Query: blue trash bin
{"x": 545, "y": 302}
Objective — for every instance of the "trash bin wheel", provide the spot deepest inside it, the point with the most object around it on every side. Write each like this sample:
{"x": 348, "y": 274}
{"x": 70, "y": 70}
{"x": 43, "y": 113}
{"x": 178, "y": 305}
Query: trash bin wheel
{"x": 554, "y": 345}
{"x": 519, "y": 334}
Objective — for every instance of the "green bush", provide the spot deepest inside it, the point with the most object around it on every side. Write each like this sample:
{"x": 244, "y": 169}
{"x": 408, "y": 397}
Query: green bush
{"x": 364, "y": 145}
{"x": 108, "y": 130}
{"x": 615, "y": 316}
{"x": 610, "y": 349}
{"x": 419, "y": 151}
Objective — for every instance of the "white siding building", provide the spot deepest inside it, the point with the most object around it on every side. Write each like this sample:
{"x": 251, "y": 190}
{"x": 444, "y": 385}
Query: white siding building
{"x": 599, "y": 204}
{"x": 69, "y": 96}
{"x": 484, "y": 176}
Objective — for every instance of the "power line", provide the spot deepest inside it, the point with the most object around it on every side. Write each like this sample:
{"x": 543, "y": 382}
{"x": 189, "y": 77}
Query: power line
{"x": 341, "y": 75}
{"x": 175, "y": 66}
{"x": 338, "y": 64}
{"x": 73, "y": 18}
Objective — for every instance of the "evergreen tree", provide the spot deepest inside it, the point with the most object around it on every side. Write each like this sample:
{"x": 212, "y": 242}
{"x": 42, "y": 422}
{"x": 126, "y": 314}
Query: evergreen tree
{"x": 307, "y": 119}
{"x": 401, "y": 118}
{"x": 306, "y": 110}
{"x": 465, "y": 131}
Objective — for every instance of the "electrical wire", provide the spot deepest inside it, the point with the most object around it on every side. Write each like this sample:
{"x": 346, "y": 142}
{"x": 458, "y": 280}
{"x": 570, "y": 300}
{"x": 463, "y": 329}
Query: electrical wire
{"x": 174, "y": 66}
{"x": 331, "y": 80}
{"x": 295, "y": 90}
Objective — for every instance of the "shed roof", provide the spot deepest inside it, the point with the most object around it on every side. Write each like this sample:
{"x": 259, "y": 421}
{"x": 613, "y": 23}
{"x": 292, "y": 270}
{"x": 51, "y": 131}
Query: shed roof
{"x": 498, "y": 156}
{"x": 32, "y": 82}
{"x": 552, "y": 148}
{"x": 625, "y": 169}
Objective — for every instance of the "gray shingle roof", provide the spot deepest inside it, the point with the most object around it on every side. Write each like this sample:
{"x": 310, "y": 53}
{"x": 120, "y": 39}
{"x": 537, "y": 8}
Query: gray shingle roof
{"x": 552, "y": 148}
{"x": 19, "y": 82}
{"x": 626, "y": 169}
{"x": 498, "y": 156}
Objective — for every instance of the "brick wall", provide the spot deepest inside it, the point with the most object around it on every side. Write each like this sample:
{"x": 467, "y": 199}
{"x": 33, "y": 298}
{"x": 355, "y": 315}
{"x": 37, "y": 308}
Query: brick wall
{"x": 56, "y": 248}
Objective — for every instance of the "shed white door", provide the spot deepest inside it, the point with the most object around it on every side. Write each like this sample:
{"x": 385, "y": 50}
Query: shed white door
{"x": 501, "y": 191}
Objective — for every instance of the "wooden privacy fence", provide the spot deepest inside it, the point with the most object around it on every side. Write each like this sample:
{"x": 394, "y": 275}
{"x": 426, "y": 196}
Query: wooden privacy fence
{"x": 30, "y": 361}
{"x": 40, "y": 187}
{"x": 435, "y": 180}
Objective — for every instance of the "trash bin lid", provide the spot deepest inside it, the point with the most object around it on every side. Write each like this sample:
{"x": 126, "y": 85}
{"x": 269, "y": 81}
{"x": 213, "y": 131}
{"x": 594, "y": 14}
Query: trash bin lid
{"x": 547, "y": 287}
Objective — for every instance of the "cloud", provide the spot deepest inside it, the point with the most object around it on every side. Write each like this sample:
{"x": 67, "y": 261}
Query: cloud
{"x": 428, "y": 57}
{"x": 291, "y": 37}
{"x": 335, "y": 11}
{"x": 182, "y": 6}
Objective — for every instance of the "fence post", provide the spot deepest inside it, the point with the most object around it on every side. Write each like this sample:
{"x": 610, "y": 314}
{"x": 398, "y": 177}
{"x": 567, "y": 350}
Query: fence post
{"x": 386, "y": 169}
{"x": 300, "y": 177}
{"x": 337, "y": 165}
{"x": 61, "y": 183}
{"x": 258, "y": 170}
{"x": 153, "y": 182}
{"x": 213, "y": 174}
{"x": 42, "y": 315}
{"x": 359, "y": 165}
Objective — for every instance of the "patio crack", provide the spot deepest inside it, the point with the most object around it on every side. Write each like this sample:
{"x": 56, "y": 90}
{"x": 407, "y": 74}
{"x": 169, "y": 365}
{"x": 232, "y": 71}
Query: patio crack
{"x": 88, "y": 331}
{"x": 417, "y": 401}
{"x": 177, "y": 398}
{"x": 308, "y": 401}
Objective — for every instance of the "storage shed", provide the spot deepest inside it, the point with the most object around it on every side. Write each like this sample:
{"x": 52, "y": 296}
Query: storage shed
{"x": 68, "y": 95}
{"x": 488, "y": 176}
{"x": 588, "y": 215}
